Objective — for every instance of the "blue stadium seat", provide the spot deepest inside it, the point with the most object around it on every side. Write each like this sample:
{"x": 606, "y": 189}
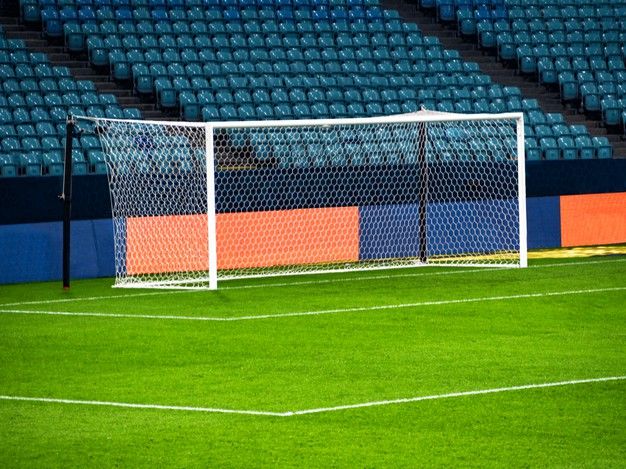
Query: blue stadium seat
{"x": 532, "y": 149}
{"x": 611, "y": 111}
{"x": 590, "y": 97}
{"x": 30, "y": 162}
{"x": 79, "y": 164}
{"x": 585, "y": 147}
{"x": 8, "y": 168}
{"x": 602, "y": 147}
{"x": 568, "y": 148}
{"x": 549, "y": 148}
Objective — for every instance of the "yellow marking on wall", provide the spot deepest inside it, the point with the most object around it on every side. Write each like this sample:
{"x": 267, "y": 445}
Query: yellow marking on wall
{"x": 582, "y": 251}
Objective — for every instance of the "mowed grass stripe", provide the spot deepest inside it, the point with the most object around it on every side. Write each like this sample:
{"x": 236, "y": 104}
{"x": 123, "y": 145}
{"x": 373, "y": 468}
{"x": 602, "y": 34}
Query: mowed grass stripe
{"x": 318, "y": 312}
{"x": 320, "y": 280}
{"x": 319, "y": 410}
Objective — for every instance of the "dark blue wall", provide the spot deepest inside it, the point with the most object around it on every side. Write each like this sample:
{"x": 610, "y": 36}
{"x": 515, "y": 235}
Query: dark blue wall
{"x": 543, "y": 217}
{"x": 389, "y": 231}
{"x": 32, "y": 252}
{"x": 35, "y": 199}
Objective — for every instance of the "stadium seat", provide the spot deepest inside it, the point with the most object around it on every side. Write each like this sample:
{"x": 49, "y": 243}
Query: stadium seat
{"x": 532, "y": 149}
{"x": 602, "y": 147}
{"x": 590, "y": 97}
{"x": 8, "y": 168}
{"x": 585, "y": 147}
{"x": 568, "y": 148}
{"x": 29, "y": 162}
{"x": 549, "y": 148}
{"x": 611, "y": 111}
{"x": 210, "y": 113}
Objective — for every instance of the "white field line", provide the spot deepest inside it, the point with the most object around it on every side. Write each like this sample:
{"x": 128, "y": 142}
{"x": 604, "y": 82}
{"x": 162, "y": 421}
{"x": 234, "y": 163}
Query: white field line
{"x": 248, "y": 287}
{"x": 314, "y": 313}
{"x": 456, "y": 394}
{"x": 319, "y": 410}
{"x": 304, "y": 282}
{"x": 142, "y": 406}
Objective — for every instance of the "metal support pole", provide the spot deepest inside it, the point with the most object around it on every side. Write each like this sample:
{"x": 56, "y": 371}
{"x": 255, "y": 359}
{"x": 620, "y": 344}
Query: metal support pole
{"x": 66, "y": 197}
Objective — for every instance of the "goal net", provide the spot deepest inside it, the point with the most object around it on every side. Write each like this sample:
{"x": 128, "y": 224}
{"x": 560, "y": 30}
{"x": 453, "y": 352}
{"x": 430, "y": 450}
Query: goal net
{"x": 196, "y": 202}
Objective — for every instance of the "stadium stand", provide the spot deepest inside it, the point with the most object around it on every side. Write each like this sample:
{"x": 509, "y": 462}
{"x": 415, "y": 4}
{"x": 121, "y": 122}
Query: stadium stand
{"x": 35, "y": 98}
{"x": 284, "y": 59}
{"x": 575, "y": 47}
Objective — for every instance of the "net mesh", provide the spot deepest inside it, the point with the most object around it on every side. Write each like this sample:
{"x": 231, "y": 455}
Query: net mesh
{"x": 295, "y": 198}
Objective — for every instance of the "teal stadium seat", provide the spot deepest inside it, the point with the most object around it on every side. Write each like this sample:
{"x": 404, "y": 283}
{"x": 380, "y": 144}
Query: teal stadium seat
{"x": 549, "y": 148}
{"x": 585, "y": 147}
{"x": 611, "y": 111}
{"x": 602, "y": 147}
{"x": 568, "y": 148}
{"x": 532, "y": 149}
{"x": 8, "y": 168}
{"x": 30, "y": 163}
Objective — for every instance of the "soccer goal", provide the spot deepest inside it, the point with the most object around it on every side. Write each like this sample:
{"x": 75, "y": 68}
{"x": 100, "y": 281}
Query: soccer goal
{"x": 194, "y": 203}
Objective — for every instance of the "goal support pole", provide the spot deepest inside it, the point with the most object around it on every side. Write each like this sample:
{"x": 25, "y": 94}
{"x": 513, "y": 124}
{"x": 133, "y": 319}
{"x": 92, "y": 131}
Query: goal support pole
{"x": 66, "y": 197}
{"x": 521, "y": 193}
{"x": 210, "y": 197}
{"x": 423, "y": 192}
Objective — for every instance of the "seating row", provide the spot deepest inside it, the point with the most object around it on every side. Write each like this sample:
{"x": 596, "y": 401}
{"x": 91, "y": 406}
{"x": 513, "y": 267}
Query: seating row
{"x": 560, "y": 3}
{"x": 50, "y": 162}
{"x": 567, "y": 148}
{"x": 170, "y": 56}
{"x": 573, "y": 44}
{"x": 313, "y": 154}
{"x": 53, "y": 19}
{"x": 58, "y": 114}
{"x": 187, "y": 3}
{"x": 530, "y": 63}
{"x": 260, "y": 41}
{"x": 76, "y": 35}
{"x": 178, "y": 4}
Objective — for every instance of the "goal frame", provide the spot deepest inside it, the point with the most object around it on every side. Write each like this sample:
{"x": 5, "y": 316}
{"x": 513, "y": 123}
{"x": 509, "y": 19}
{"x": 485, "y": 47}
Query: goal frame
{"x": 423, "y": 116}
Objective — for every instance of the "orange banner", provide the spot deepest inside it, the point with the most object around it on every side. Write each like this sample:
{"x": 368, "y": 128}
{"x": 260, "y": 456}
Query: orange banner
{"x": 593, "y": 219}
{"x": 304, "y": 236}
{"x": 244, "y": 240}
{"x": 174, "y": 243}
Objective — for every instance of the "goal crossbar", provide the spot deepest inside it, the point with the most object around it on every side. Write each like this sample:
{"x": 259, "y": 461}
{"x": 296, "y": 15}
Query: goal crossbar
{"x": 420, "y": 116}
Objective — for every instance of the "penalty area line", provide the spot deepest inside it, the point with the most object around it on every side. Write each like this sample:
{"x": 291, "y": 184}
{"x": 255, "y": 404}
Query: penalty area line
{"x": 457, "y": 394}
{"x": 305, "y": 282}
{"x": 130, "y": 405}
{"x": 319, "y": 410}
{"x": 313, "y": 313}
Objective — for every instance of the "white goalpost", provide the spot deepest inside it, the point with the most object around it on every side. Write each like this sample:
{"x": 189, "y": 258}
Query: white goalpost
{"x": 194, "y": 203}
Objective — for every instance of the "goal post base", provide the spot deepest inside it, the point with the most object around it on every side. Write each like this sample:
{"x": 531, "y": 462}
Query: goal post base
{"x": 203, "y": 283}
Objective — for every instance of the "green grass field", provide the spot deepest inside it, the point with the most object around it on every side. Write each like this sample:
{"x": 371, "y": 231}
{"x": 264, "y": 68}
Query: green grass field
{"x": 297, "y": 349}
